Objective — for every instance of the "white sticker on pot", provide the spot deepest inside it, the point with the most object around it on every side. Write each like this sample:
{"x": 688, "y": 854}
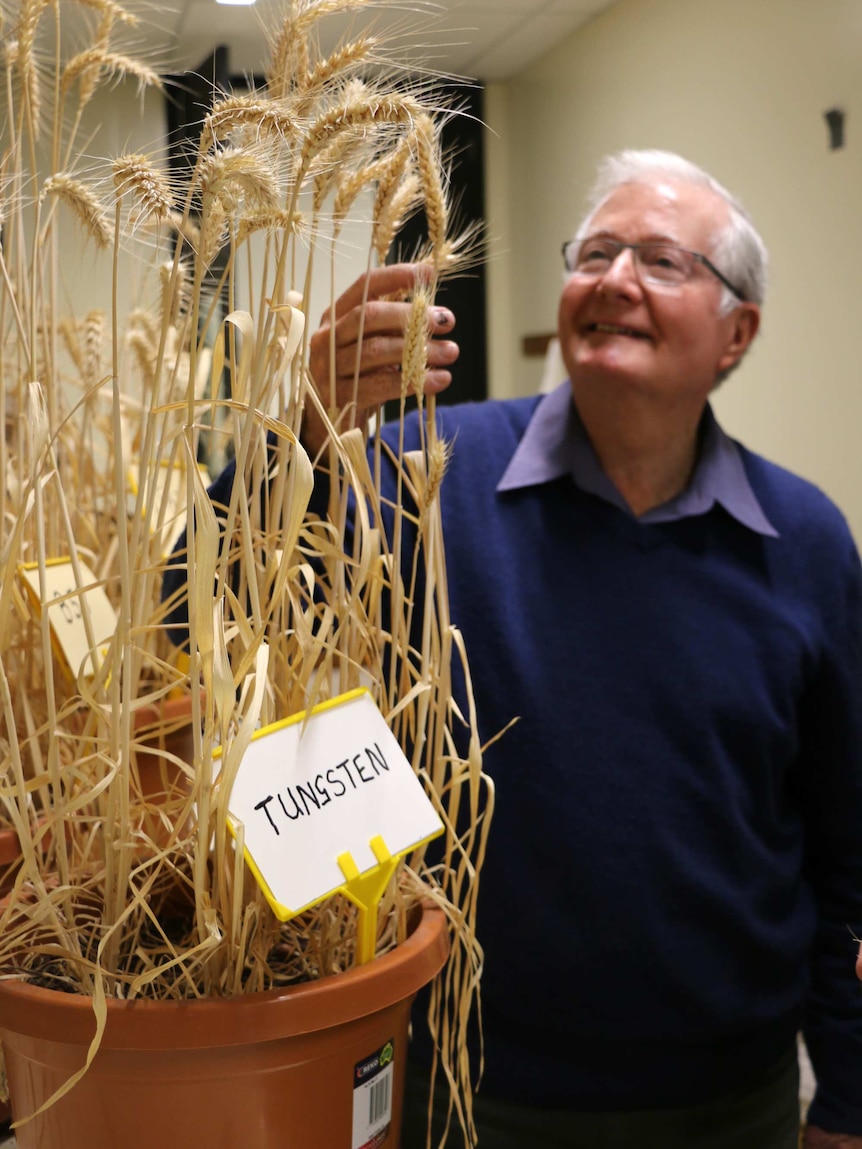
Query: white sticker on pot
{"x": 372, "y": 1098}
{"x": 71, "y": 607}
{"x": 319, "y": 786}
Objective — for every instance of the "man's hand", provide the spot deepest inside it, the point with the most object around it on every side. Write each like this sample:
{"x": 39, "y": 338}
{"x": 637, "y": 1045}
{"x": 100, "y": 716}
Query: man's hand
{"x": 814, "y": 1138}
{"x": 372, "y": 336}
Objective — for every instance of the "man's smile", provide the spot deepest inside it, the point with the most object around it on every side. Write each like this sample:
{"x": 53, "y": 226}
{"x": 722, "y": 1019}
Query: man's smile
{"x": 615, "y": 329}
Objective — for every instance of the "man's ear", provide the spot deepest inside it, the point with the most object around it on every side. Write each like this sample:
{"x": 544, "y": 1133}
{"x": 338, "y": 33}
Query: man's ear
{"x": 744, "y": 324}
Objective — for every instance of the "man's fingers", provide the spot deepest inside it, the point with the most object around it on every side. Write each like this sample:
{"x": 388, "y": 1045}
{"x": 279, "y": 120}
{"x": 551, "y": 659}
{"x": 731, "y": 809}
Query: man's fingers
{"x": 374, "y": 319}
{"x": 437, "y": 381}
{"x": 374, "y": 389}
{"x": 382, "y": 281}
{"x": 379, "y": 387}
{"x": 379, "y": 318}
{"x": 355, "y": 363}
{"x": 386, "y": 351}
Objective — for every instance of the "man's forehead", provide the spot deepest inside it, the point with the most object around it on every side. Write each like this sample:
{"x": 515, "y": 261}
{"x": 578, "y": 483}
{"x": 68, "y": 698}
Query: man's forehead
{"x": 663, "y": 208}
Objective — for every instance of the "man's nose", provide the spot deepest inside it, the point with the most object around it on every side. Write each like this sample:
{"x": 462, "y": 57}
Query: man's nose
{"x": 622, "y": 274}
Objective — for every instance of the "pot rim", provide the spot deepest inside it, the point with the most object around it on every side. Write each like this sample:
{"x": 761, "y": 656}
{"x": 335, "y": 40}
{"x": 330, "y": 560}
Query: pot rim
{"x": 338, "y": 999}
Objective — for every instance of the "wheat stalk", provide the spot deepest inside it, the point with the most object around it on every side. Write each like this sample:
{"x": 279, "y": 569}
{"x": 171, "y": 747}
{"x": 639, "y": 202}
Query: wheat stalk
{"x": 331, "y": 161}
{"x": 271, "y": 221}
{"x": 234, "y": 112}
{"x": 351, "y": 114}
{"x": 342, "y": 60}
{"x": 415, "y": 352}
{"x": 288, "y": 66}
{"x": 135, "y": 175}
{"x": 404, "y": 200}
{"x": 239, "y": 174}
{"x": 96, "y": 64}
{"x": 430, "y": 169}
{"x": 109, "y": 10}
{"x": 285, "y": 608}
{"x": 214, "y": 230}
{"x": 175, "y": 290}
{"x": 83, "y": 202}
{"x": 94, "y": 343}
{"x": 21, "y": 52}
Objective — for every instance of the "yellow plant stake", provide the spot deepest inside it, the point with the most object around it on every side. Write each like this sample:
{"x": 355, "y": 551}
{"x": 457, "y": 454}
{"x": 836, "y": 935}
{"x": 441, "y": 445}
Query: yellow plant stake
{"x": 365, "y": 891}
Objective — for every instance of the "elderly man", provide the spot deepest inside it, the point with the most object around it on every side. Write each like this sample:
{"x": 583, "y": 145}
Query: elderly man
{"x": 675, "y": 873}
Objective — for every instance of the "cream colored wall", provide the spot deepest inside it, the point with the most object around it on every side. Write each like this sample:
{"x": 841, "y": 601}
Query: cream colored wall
{"x": 118, "y": 120}
{"x": 739, "y": 86}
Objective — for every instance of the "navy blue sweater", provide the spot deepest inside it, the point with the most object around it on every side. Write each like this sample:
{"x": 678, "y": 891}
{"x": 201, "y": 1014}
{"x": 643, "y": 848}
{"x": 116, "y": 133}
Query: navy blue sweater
{"x": 675, "y": 866}
{"x": 675, "y": 863}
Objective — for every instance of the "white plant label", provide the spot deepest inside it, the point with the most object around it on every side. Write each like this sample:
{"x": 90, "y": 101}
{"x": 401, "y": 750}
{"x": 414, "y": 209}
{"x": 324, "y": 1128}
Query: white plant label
{"x": 321, "y": 785}
{"x": 372, "y": 1098}
{"x": 67, "y": 604}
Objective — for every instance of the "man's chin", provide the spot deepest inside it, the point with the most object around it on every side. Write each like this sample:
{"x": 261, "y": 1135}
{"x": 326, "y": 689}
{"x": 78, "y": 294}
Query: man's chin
{"x": 625, "y": 370}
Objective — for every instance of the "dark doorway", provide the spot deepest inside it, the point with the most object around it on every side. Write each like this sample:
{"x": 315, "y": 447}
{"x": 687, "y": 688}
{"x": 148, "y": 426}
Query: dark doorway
{"x": 189, "y": 99}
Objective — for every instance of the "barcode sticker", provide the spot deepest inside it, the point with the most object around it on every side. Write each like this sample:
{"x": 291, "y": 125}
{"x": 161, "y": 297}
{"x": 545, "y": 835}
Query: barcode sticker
{"x": 372, "y": 1098}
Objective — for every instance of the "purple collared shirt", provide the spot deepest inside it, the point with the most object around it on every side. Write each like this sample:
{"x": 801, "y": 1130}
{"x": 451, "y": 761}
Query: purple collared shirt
{"x": 556, "y": 443}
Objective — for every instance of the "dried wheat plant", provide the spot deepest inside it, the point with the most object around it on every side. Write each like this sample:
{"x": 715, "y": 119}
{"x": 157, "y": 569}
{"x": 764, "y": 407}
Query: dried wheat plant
{"x": 129, "y": 884}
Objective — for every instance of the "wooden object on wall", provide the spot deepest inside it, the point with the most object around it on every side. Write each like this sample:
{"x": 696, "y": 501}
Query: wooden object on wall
{"x": 536, "y": 346}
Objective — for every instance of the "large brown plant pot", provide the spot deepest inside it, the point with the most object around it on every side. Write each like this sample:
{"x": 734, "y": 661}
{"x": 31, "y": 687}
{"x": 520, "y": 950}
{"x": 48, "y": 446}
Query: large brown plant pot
{"x": 166, "y": 727}
{"x": 10, "y": 858}
{"x": 164, "y": 732}
{"x": 285, "y": 1069}
{"x": 10, "y": 847}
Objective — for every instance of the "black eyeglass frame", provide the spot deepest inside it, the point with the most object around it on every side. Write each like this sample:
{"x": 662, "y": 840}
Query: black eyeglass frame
{"x": 620, "y": 246}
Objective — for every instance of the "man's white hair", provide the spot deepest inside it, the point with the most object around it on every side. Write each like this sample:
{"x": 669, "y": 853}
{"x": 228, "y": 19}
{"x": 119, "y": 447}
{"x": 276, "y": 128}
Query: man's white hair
{"x": 737, "y": 251}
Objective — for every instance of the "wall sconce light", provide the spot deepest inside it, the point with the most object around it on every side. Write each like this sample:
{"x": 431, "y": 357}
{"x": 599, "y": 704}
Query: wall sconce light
{"x": 835, "y": 122}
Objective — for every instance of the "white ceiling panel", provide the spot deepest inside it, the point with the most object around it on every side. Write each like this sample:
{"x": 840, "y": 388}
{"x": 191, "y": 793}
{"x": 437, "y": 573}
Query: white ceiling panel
{"x": 486, "y": 39}
{"x": 507, "y": 46}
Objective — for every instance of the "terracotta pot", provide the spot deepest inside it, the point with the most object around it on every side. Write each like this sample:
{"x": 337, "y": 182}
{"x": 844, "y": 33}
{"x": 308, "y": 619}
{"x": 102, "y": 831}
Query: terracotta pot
{"x": 158, "y": 729}
{"x": 162, "y": 787}
{"x": 166, "y": 727}
{"x": 9, "y": 850}
{"x": 10, "y": 857}
{"x": 307, "y": 1067}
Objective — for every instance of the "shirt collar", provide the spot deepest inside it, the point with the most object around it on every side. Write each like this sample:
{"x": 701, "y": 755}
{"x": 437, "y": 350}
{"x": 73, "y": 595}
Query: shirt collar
{"x": 556, "y": 443}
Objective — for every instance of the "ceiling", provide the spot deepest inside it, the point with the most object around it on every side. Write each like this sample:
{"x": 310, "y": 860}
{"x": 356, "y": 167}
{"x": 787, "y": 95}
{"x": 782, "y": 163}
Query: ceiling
{"x": 489, "y": 40}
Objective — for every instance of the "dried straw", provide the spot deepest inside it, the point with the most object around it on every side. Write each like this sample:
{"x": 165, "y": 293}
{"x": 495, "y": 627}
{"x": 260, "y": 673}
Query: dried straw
{"x": 135, "y": 175}
{"x": 83, "y": 202}
{"x": 96, "y": 65}
{"x": 285, "y": 608}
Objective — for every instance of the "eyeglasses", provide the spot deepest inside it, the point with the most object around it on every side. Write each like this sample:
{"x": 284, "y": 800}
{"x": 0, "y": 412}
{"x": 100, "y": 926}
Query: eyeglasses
{"x": 659, "y": 263}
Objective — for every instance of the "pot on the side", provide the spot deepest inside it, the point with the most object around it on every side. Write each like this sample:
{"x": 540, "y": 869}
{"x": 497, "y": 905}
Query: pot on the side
{"x": 10, "y": 856}
{"x": 316, "y": 1066}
